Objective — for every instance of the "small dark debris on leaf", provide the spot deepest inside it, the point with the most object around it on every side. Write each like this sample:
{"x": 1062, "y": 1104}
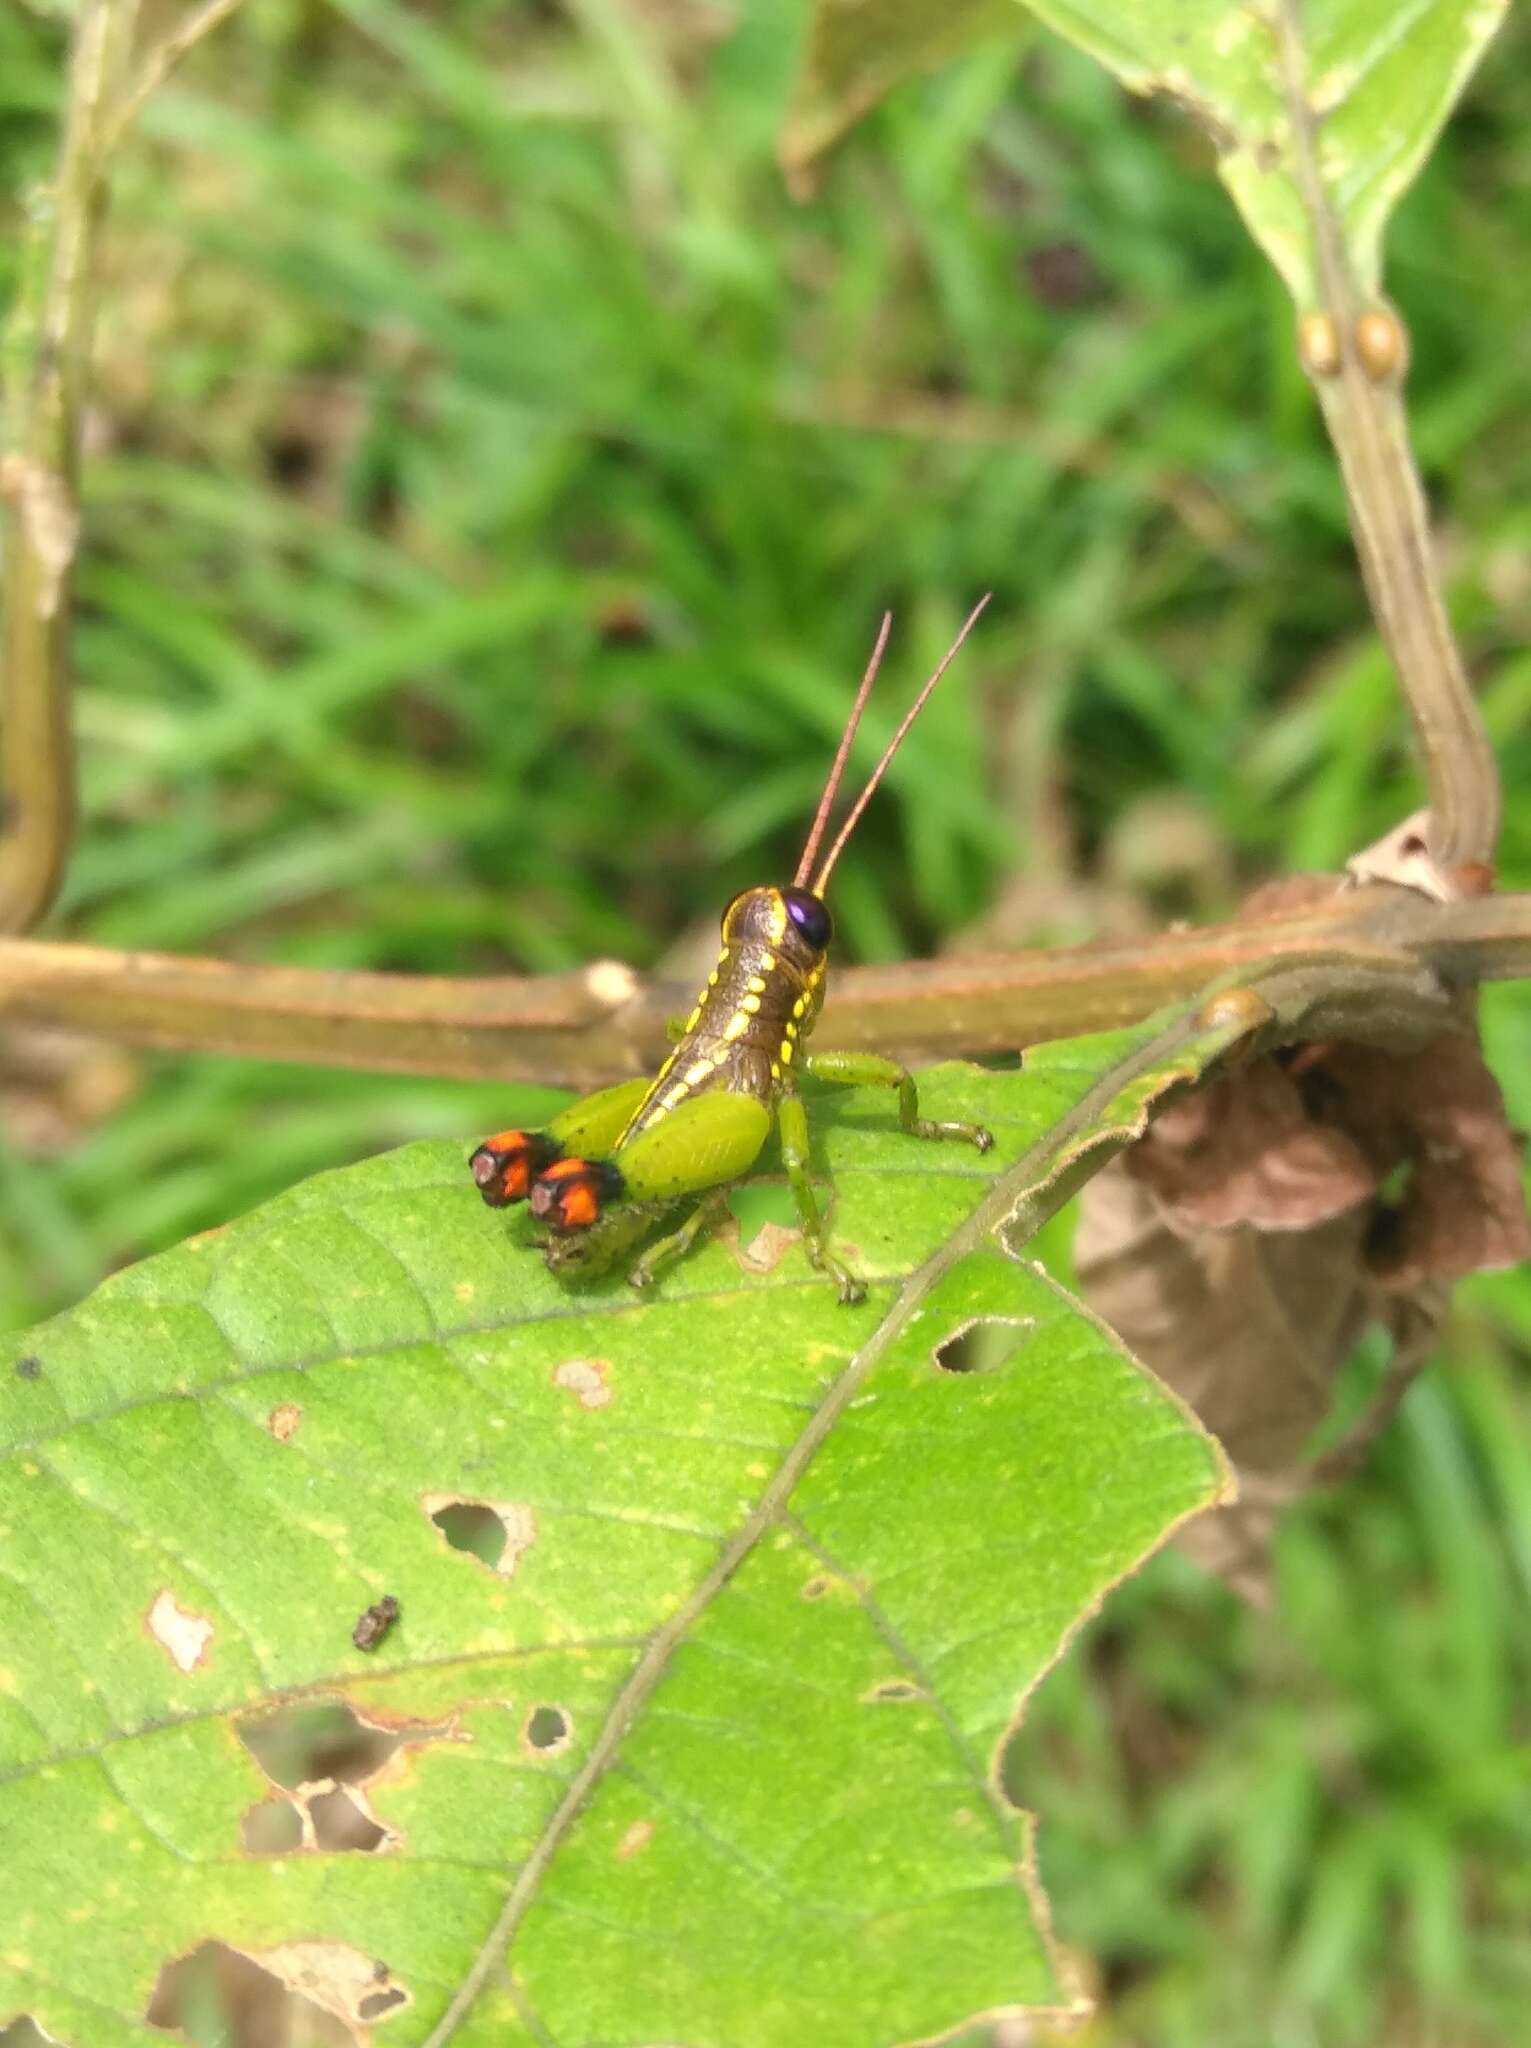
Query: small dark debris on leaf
{"x": 374, "y": 1625}
{"x": 29, "y": 1368}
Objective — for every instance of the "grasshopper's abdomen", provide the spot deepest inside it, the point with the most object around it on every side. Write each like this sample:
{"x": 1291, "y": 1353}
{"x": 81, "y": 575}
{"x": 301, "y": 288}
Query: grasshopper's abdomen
{"x": 760, "y": 1002}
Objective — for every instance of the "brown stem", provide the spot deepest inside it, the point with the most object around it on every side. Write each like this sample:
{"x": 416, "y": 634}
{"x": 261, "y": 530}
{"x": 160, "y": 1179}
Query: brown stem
{"x": 1355, "y": 365}
{"x": 603, "y": 1023}
{"x": 162, "y": 60}
{"x": 39, "y": 508}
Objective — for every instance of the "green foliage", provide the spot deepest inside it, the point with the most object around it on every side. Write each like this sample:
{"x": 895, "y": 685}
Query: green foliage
{"x": 1375, "y": 79}
{"x": 707, "y": 1744}
{"x": 399, "y": 328}
{"x": 405, "y": 538}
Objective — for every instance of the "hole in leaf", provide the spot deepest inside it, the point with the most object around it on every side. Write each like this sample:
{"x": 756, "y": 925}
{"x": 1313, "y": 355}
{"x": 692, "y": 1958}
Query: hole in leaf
{"x": 216, "y": 1994}
{"x": 498, "y": 1533}
{"x": 23, "y": 2031}
{"x": 272, "y": 1828}
{"x": 319, "y": 1739}
{"x": 478, "y": 1530}
{"x": 548, "y": 1730}
{"x": 377, "y": 2003}
{"x": 340, "y": 1824}
{"x": 983, "y": 1344}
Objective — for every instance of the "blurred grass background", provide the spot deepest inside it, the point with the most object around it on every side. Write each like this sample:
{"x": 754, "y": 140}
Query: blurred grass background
{"x": 494, "y": 480}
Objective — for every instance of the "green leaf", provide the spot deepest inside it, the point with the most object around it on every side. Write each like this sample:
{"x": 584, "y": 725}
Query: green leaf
{"x": 1369, "y": 82}
{"x": 701, "y": 1746}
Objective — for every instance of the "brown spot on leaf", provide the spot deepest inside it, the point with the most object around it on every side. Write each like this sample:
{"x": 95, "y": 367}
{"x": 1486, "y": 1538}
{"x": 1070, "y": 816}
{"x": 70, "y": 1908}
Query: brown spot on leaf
{"x": 586, "y": 1379}
{"x": 283, "y": 1421}
{"x": 184, "y": 1636}
{"x": 29, "y": 1367}
{"x": 767, "y": 1248}
{"x": 336, "y": 1978}
{"x": 816, "y": 1587}
{"x": 891, "y": 1691}
{"x": 498, "y": 1533}
{"x": 637, "y": 1838}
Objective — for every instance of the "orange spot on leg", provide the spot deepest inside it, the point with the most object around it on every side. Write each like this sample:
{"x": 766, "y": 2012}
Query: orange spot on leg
{"x": 504, "y": 1165}
{"x": 571, "y": 1193}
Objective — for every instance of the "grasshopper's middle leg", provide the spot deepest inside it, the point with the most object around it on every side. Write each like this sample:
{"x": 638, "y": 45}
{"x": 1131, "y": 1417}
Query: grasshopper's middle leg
{"x": 676, "y": 1243}
{"x": 792, "y": 1122}
{"x": 871, "y": 1070}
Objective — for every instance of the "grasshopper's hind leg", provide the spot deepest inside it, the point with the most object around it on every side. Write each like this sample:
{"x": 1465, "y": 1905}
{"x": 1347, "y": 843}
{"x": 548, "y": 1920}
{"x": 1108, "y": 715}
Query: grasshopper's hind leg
{"x": 871, "y": 1070}
{"x": 792, "y": 1122}
{"x": 505, "y": 1166}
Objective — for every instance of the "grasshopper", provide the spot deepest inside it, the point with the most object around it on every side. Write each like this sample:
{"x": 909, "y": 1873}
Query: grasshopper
{"x": 611, "y": 1166}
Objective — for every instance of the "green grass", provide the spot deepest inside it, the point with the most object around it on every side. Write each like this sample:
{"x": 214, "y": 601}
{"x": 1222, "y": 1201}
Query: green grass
{"x": 495, "y": 482}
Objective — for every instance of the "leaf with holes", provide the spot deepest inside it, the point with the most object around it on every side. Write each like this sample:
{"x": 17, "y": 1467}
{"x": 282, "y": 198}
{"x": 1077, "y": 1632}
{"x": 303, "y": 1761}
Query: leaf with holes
{"x": 484, "y": 1663}
{"x": 1358, "y": 88}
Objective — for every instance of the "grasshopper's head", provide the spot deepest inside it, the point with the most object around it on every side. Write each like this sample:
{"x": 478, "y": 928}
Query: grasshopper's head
{"x": 793, "y": 922}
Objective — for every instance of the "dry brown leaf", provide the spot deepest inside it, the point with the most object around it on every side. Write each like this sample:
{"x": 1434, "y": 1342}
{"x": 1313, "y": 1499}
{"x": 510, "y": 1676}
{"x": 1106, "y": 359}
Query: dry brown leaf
{"x": 1261, "y": 1224}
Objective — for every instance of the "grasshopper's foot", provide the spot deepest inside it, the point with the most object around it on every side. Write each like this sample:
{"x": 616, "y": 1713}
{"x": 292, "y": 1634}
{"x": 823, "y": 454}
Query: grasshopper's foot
{"x": 971, "y": 1134}
{"x": 851, "y": 1287}
{"x": 677, "y": 1243}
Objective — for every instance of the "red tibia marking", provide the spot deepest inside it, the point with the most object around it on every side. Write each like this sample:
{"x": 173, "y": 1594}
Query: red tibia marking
{"x": 571, "y": 1193}
{"x": 503, "y": 1165}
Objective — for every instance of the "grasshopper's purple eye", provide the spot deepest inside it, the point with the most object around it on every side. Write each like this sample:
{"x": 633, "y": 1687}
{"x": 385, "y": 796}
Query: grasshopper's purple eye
{"x": 810, "y": 917}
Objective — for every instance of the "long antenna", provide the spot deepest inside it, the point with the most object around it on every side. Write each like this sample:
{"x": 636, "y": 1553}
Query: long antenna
{"x": 821, "y": 880}
{"x": 832, "y": 786}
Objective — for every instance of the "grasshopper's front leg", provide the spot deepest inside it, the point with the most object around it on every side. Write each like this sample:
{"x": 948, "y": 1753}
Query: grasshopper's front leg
{"x": 792, "y": 1122}
{"x": 871, "y": 1070}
